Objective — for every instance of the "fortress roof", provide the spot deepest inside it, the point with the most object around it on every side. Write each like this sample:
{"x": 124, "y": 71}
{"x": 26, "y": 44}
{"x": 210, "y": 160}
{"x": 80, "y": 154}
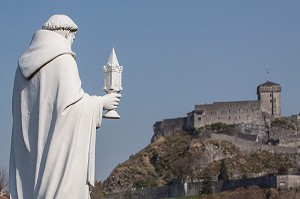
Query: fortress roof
{"x": 268, "y": 87}
{"x": 268, "y": 83}
{"x": 230, "y": 104}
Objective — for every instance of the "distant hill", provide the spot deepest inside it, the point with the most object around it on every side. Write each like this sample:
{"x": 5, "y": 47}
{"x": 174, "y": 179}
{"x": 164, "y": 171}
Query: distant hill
{"x": 189, "y": 156}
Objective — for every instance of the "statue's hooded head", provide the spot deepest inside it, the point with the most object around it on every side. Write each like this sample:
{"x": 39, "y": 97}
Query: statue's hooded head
{"x": 63, "y": 25}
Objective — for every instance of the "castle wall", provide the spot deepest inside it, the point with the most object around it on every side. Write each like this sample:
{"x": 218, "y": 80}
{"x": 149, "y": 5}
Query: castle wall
{"x": 262, "y": 182}
{"x": 168, "y": 127}
{"x": 193, "y": 188}
{"x": 171, "y": 126}
{"x": 249, "y": 146}
{"x": 227, "y": 112}
{"x": 290, "y": 143}
{"x": 190, "y": 123}
{"x": 151, "y": 193}
{"x": 288, "y": 136}
{"x": 288, "y": 181}
{"x": 249, "y": 137}
{"x": 174, "y": 190}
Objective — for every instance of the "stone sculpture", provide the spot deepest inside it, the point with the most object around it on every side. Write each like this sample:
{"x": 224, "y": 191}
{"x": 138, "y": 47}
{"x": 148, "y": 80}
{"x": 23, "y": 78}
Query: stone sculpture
{"x": 54, "y": 120}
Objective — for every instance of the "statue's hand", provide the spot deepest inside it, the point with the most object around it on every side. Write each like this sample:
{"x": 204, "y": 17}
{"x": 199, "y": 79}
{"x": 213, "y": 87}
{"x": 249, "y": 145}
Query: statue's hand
{"x": 111, "y": 101}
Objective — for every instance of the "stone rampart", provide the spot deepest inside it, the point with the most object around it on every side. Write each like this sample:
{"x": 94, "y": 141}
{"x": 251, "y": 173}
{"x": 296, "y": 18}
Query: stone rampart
{"x": 151, "y": 193}
{"x": 262, "y": 182}
{"x": 194, "y": 188}
{"x": 242, "y": 144}
{"x": 174, "y": 190}
{"x": 288, "y": 181}
{"x": 249, "y": 146}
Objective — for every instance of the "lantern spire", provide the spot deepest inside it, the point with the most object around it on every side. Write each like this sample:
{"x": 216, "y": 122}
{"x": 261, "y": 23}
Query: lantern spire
{"x": 113, "y": 60}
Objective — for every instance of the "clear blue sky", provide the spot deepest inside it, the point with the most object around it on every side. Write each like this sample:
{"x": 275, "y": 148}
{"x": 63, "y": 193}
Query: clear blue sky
{"x": 175, "y": 54}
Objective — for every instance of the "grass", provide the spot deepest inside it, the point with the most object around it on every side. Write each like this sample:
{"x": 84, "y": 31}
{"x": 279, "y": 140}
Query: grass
{"x": 184, "y": 197}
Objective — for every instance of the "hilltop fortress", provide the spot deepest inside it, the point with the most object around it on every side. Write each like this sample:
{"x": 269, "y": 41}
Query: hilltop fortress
{"x": 266, "y": 107}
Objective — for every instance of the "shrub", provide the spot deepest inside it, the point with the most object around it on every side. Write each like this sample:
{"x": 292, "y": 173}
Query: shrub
{"x": 282, "y": 171}
{"x": 268, "y": 194}
{"x": 283, "y": 123}
{"x": 223, "y": 172}
{"x": 206, "y": 186}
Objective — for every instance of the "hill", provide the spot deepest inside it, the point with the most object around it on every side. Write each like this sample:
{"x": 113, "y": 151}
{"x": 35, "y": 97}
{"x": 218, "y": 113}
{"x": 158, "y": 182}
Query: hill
{"x": 187, "y": 156}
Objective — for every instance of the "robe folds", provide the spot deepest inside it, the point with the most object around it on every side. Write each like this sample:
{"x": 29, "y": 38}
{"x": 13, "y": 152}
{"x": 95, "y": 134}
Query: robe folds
{"x": 54, "y": 124}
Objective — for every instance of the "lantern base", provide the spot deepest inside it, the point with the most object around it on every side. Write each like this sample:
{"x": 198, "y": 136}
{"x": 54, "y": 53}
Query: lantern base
{"x": 111, "y": 114}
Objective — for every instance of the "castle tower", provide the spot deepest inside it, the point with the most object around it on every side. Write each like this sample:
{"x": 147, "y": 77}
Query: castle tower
{"x": 269, "y": 95}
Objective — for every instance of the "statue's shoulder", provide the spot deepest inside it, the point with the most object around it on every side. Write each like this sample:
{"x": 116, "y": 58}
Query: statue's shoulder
{"x": 65, "y": 58}
{"x": 64, "y": 64}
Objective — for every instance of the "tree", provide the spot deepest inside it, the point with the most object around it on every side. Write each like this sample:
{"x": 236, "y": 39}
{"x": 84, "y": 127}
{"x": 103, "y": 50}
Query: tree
{"x": 282, "y": 171}
{"x": 223, "y": 176}
{"x": 182, "y": 167}
{"x": 206, "y": 186}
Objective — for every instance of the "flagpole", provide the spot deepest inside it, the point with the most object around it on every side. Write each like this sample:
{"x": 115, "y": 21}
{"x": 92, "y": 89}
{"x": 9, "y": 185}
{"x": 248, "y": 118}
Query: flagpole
{"x": 268, "y": 73}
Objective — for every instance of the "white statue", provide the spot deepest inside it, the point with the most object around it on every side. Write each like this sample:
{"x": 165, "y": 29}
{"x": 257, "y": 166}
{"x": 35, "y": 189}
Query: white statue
{"x": 54, "y": 120}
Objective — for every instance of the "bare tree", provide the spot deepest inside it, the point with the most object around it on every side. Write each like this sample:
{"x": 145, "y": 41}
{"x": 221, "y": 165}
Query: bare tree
{"x": 3, "y": 181}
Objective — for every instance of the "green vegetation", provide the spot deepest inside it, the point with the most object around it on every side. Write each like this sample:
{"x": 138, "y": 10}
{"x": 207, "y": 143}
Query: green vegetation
{"x": 206, "y": 189}
{"x": 217, "y": 127}
{"x": 284, "y": 123}
{"x": 223, "y": 176}
{"x": 151, "y": 182}
{"x": 184, "y": 197}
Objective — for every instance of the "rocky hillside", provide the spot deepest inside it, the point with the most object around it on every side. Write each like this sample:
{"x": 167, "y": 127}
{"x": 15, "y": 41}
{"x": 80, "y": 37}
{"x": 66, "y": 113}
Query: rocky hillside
{"x": 187, "y": 156}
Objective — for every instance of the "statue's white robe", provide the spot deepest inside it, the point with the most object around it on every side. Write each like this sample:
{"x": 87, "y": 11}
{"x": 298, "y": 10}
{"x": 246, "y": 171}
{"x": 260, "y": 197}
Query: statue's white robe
{"x": 54, "y": 124}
